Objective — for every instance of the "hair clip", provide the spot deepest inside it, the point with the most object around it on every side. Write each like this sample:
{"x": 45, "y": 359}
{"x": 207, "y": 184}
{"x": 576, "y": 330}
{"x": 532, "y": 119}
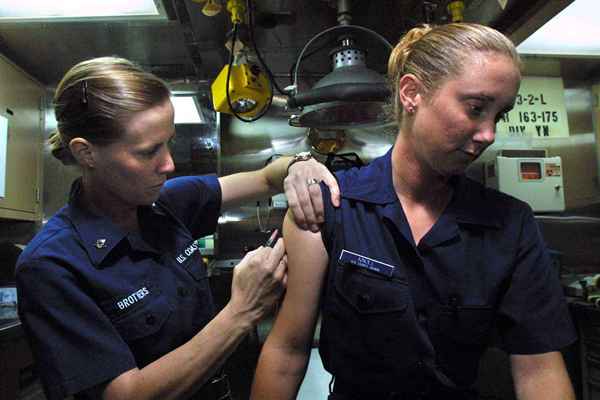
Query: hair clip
{"x": 84, "y": 98}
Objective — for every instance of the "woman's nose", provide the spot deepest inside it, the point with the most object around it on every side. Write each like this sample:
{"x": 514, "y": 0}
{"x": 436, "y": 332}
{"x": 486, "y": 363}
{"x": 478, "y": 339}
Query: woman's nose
{"x": 166, "y": 164}
{"x": 486, "y": 133}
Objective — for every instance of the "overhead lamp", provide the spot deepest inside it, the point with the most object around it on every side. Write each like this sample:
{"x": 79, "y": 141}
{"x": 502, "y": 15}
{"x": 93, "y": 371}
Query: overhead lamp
{"x": 351, "y": 94}
{"x": 247, "y": 87}
{"x": 241, "y": 88}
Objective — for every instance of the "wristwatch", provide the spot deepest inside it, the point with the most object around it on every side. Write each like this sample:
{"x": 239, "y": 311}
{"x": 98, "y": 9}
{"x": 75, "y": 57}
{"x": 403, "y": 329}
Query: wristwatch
{"x": 302, "y": 156}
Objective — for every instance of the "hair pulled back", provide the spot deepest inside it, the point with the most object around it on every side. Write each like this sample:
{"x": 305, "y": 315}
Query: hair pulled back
{"x": 96, "y": 98}
{"x": 436, "y": 53}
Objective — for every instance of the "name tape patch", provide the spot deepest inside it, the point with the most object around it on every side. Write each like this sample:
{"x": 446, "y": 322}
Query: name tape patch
{"x": 132, "y": 298}
{"x": 367, "y": 263}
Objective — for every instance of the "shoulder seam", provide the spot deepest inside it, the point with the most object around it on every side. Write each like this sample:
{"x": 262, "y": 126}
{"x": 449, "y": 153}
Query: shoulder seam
{"x": 50, "y": 235}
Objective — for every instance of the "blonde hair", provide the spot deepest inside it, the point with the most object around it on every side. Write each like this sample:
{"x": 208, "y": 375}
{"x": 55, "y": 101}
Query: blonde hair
{"x": 96, "y": 98}
{"x": 436, "y": 53}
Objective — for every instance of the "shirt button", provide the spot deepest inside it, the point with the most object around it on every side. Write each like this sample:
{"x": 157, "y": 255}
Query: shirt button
{"x": 150, "y": 319}
{"x": 364, "y": 300}
{"x": 182, "y": 292}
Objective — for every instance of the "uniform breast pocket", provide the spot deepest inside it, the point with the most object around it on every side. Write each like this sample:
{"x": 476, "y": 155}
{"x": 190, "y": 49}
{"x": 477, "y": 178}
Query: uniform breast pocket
{"x": 369, "y": 320}
{"x": 369, "y": 292}
{"x": 143, "y": 318}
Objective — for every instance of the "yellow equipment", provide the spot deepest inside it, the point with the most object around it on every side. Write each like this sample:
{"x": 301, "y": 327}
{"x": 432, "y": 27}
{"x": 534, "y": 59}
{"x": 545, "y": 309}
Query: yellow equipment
{"x": 249, "y": 90}
{"x": 236, "y": 8}
{"x": 456, "y": 9}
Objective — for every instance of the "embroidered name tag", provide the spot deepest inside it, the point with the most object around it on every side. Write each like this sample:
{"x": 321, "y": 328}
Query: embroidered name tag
{"x": 132, "y": 298}
{"x": 367, "y": 263}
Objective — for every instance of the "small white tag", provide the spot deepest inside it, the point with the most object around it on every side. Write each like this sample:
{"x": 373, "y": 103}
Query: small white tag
{"x": 502, "y": 3}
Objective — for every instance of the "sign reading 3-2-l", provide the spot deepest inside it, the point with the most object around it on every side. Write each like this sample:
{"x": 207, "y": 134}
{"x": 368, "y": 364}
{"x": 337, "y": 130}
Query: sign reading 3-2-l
{"x": 539, "y": 110}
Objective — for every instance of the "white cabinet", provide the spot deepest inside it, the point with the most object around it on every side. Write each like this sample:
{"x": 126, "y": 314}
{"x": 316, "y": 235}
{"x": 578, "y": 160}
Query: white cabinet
{"x": 20, "y": 102}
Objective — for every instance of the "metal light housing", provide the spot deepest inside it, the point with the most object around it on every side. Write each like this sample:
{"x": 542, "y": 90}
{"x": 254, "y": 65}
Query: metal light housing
{"x": 350, "y": 95}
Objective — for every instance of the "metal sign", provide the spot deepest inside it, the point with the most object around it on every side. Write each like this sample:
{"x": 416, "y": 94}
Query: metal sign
{"x": 539, "y": 110}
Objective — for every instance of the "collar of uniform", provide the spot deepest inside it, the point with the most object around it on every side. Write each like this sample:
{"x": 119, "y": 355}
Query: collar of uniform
{"x": 471, "y": 205}
{"x": 372, "y": 184}
{"x": 98, "y": 234}
{"x": 468, "y": 205}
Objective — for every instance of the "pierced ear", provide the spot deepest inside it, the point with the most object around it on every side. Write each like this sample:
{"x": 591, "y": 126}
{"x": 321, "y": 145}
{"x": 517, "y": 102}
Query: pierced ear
{"x": 83, "y": 152}
{"x": 409, "y": 91}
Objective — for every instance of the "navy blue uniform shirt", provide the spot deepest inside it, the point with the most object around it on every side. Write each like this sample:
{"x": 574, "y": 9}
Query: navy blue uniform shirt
{"x": 96, "y": 302}
{"x": 404, "y": 317}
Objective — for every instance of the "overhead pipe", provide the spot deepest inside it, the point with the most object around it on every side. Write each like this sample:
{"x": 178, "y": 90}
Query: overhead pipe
{"x": 343, "y": 14}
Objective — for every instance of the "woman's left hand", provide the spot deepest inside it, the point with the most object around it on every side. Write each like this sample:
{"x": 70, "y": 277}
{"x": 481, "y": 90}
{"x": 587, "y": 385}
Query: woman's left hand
{"x": 303, "y": 192}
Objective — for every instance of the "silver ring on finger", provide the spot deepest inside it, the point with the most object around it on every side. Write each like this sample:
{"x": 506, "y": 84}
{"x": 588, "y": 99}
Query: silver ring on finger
{"x": 312, "y": 181}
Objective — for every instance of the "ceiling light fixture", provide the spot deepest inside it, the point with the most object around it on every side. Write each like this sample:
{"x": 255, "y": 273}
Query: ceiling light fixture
{"x": 27, "y": 10}
{"x": 351, "y": 94}
{"x": 558, "y": 37}
{"x": 186, "y": 110}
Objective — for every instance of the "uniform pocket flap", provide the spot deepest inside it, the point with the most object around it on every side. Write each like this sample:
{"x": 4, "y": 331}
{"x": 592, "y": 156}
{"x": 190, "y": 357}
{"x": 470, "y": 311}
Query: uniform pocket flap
{"x": 145, "y": 320}
{"x": 370, "y": 293}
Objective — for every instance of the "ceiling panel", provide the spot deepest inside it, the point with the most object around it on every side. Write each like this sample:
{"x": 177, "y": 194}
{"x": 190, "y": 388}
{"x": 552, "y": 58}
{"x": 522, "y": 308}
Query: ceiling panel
{"x": 46, "y": 50}
{"x": 190, "y": 46}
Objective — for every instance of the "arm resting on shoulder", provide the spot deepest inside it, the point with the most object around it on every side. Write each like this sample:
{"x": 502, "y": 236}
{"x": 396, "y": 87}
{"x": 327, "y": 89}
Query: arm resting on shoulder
{"x": 252, "y": 185}
{"x": 284, "y": 357}
{"x": 304, "y": 199}
{"x": 541, "y": 376}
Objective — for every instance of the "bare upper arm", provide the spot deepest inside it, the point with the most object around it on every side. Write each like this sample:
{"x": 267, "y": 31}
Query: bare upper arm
{"x": 307, "y": 266}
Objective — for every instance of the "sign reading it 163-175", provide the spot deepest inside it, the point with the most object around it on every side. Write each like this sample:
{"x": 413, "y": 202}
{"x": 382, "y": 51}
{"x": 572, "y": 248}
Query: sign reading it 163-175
{"x": 539, "y": 110}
